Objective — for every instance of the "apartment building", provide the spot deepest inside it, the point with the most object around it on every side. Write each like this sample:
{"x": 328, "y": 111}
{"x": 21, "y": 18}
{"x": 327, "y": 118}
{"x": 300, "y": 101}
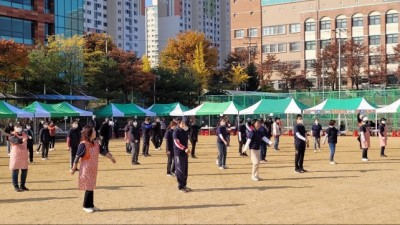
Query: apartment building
{"x": 152, "y": 50}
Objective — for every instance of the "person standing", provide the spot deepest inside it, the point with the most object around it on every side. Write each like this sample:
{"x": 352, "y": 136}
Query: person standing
{"x": 29, "y": 144}
{"x": 331, "y": 135}
{"x": 9, "y": 130}
{"x": 88, "y": 154}
{"x": 73, "y": 140}
{"x": 44, "y": 139}
{"x": 263, "y": 145}
{"x": 170, "y": 148}
{"x": 134, "y": 140}
{"x": 163, "y": 130}
{"x": 193, "y": 136}
{"x": 242, "y": 137}
{"x": 222, "y": 144}
{"x": 383, "y": 134}
{"x": 52, "y": 129}
{"x": 39, "y": 145}
{"x": 105, "y": 133}
{"x": 181, "y": 153}
{"x": 116, "y": 129}
{"x": 300, "y": 143}
{"x": 146, "y": 130}
{"x": 276, "y": 132}
{"x": 253, "y": 143}
{"x": 19, "y": 157}
{"x": 156, "y": 138}
{"x": 316, "y": 133}
{"x": 365, "y": 138}
{"x": 127, "y": 138}
{"x": 93, "y": 122}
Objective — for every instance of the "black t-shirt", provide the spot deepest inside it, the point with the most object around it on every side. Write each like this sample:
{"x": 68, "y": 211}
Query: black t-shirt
{"x": 332, "y": 133}
{"x": 316, "y": 130}
{"x": 194, "y": 132}
{"x": 242, "y": 130}
{"x": 170, "y": 140}
{"x": 299, "y": 128}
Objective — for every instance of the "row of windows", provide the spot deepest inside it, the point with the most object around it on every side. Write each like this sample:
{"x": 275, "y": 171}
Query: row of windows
{"x": 373, "y": 40}
{"x": 281, "y": 47}
{"x": 22, "y": 31}
{"x": 372, "y": 60}
{"x": 19, "y": 4}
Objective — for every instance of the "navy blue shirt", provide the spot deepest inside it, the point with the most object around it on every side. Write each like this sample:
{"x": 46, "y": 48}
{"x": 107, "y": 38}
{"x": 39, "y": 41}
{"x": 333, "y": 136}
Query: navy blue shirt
{"x": 183, "y": 138}
{"x": 256, "y": 139}
{"x": 299, "y": 128}
{"x": 146, "y": 129}
{"x": 170, "y": 140}
{"x": 134, "y": 134}
{"x": 82, "y": 149}
{"x": 222, "y": 130}
{"x": 332, "y": 133}
{"x": 242, "y": 130}
{"x": 194, "y": 132}
{"x": 316, "y": 130}
{"x": 74, "y": 135}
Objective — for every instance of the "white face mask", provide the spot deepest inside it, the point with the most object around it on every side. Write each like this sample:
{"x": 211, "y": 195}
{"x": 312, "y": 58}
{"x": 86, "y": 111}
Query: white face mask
{"x": 222, "y": 123}
{"x": 110, "y": 123}
{"x": 135, "y": 124}
{"x": 186, "y": 128}
{"x": 45, "y": 126}
{"x": 74, "y": 125}
{"x": 18, "y": 130}
{"x": 383, "y": 122}
{"x": 28, "y": 127}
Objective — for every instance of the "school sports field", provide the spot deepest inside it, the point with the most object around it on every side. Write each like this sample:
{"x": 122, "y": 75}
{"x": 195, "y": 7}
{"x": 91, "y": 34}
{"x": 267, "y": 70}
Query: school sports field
{"x": 349, "y": 192}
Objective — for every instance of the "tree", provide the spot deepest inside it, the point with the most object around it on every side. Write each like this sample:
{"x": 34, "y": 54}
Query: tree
{"x": 238, "y": 76}
{"x": 300, "y": 82}
{"x": 202, "y": 74}
{"x": 179, "y": 51}
{"x": 146, "y": 64}
{"x": 267, "y": 67}
{"x": 253, "y": 83}
{"x": 354, "y": 62}
{"x": 396, "y": 58}
{"x": 378, "y": 67}
{"x": 13, "y": 59}
{"x": 330, "y": 63}
{"x": 286, "y": 72}
{"x": 239, "y": 57}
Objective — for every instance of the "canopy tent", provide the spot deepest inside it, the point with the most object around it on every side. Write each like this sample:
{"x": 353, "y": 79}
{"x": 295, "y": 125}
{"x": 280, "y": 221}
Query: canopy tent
{"x": 342, "y": 106}
{"x": 123, "y": 110}
{"x": 212, "y": 108}
{"x": 9, "y": 111}
{"x": 173, "y": 109}
{"x": 392, "y": 108}
{"x": 78, "y": 110}
{"x": 275, "y": 106}
{"x": 42, "y": 110}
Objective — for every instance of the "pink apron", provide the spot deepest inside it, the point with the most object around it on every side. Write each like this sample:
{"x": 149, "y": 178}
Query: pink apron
{"x": 19, "y": 155}
{"x": 383, "y": 139}
{"x": 88, "y": 168}
{"x": 367, "y": 136}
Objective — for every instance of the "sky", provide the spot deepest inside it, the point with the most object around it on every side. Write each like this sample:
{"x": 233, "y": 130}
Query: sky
{"x": 148, "y": 2}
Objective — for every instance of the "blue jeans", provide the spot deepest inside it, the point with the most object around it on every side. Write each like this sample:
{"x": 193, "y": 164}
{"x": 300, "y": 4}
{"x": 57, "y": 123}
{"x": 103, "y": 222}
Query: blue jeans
{"x": 332, "y": 147}
{"x": 276, "y": 144}
{"x": 221, "y": 154}
{"x": 263, "y": 150}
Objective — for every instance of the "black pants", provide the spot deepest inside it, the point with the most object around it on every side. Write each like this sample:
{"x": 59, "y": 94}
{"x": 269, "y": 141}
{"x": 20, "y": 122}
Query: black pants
{"x": 241, "y": 144}
{"x": 162, "y": 136}
{"x": 24, "y": 174}
{"x": 73, "y": 152}
{"x": 52, "y": 141}
{"x": 45, "y": 149}
{"x": 128, "y": 148}
{"x": 193, "y": 143}
{"x": 156, "y": 140}
{"x": 38, "y": 147}
{"x": 365, "y": 153}
{"x": 30, "y": 149}
{"x": 88, "y": 199}
{"x": 135, "y": 151}
{"x": 146, "y": 145}
{"x": 383, "y": 150}
{"x": 104, "y": 143}
{"x": 181, "y": 170}
{"x": 170, "y": 163}
{"x": 299, "y": 157}
{"x": 263, "y": 150}
{"x": 116, "y": 134}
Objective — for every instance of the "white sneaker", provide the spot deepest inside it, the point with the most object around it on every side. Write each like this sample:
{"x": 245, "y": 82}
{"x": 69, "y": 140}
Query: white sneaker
{"x": 333, "y": 162}
{"x": 43, "y": 159}
{"x": 221, "y": 167}
{"x": 315, "y": 151}
{"x": 255, "y": 179}
{"x": 88, "y": 210}
{"x": 365, "y": 160}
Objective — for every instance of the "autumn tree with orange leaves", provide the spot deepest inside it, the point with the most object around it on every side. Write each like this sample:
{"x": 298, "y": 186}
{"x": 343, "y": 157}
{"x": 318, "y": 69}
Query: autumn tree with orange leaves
{"x": 13, "y": 59}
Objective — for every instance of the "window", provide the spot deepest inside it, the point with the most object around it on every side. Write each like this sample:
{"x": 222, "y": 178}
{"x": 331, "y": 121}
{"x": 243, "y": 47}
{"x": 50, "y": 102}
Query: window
{"x": 310, "y": 26}
{"x": 253, "y": 32}
{"x": 294, "y": 28}
{"x": 325, "y": 25}
{"x": 325, "y": 43}
{"x": 392, "y": 38}
{"x": 374, "y": 60}
{"x": 19, "y": 30}
{"x": 281, "y": 29}
{"x": 239, "y": 33}
{"x": 266, "y": 31}
{"x": 392, "y": 18}
{"x": 390, "y": 59}
{"x": 294, "y": 47}
{"x": 375, "y": 20}
{"x": 310, "y": 45}
{"x": 358, "y": 22}
{"x": 358, "y": 40}
{"x": 19, "y": 4}
{"x": 375, "y": 40}
{"x": 274, "y": 30}
{"x": 268, "y": 48}
{"x": 310, "y": 64}
{"x": 281, "y": 47}
{"x": 341, "y": 23}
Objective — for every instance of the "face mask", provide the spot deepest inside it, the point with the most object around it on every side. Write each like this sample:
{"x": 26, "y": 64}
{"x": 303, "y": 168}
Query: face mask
{"x": 146, "y": 122}
{"x": 19, "y": 130}
{"x": 186, "y": 128}
{"x": 28, "y": 127}
{"x": 10, "y": 124}
{"x": 110, "y": 123}
{"x": 157, "y": 120}
{"x": 383, "y": 122}
{"x": 74, "y": 125}
{"x": 45, "y": 126}
{"x": 223, "y": 123}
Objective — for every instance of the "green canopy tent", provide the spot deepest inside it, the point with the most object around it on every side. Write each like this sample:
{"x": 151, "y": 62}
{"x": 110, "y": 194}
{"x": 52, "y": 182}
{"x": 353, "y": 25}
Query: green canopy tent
{"x": 9, "y": 111}
{"x": 275, "y": 106}
{"x": 43, "y": 110}
{"x": 122, "y": 110}
{"x": 212, "y": 108}
{"x": 173, "y": 109}
{"x": 73, "y": 108}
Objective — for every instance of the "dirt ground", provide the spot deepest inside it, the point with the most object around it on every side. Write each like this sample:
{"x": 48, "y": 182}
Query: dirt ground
{"x": 349, "y": 192}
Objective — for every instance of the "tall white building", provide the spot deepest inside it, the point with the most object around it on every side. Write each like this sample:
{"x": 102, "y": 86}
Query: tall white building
{"x": 152, "y": 50}
{"x": 212, "y": 17}
{"x": 124, "y": 20}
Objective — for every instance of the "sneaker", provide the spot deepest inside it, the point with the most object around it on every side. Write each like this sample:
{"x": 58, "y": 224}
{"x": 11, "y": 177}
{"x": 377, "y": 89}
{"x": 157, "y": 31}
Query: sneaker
{"x": 332, "y": 162}
{"x": 51, "y": 149}
{"x": 17, "y": 189}
{"x": 365, "y": 160}
{"x": 221, "y": 168}
{"x": 297, "y": 171}
{"x": 96, "y": 209}
{"x": 33, "y": 162}
{"x": 303, "y": 171}
{"x": 255, "y": 178}
{"x": 88, "y": 210}
{"x": 264, "y": 161}
{"x": 24, "y": 189}
{"x": 187, "y": 189}
{"x": 183, "y": 190}
{"x": 315, "y": 151}
{"x": 43, "y": 159}
{"x": 173, "y": 174}
{"x": 245, "y": 154}
{"x": 37, "y": 152}
{"x": 383, "y": 155}
{"x": 194, "y": 157}
{"x": 225, "y": 167}
{"x": 169, "y": 175}
{"x": 277, "y": 149}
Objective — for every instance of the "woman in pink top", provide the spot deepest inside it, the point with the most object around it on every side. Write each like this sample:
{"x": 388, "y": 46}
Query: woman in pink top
{"x": 19, "y": 157}
{"x": 88, "y": 153}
